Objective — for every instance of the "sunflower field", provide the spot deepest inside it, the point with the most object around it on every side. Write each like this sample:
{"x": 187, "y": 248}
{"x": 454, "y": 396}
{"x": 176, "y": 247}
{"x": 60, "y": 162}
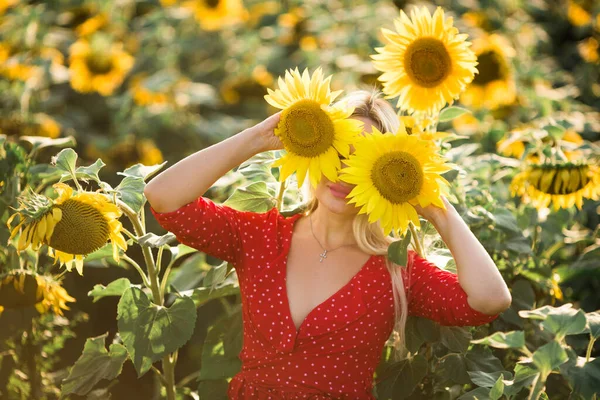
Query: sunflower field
{"x": 97, "y": 301}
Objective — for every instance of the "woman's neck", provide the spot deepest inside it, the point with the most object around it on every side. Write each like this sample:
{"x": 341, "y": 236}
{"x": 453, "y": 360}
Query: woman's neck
{"x": 331, "y": 229}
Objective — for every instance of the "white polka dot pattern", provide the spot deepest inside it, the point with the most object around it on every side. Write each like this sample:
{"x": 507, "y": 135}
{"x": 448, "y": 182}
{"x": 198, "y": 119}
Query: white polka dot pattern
{"x": 334, "y": 353}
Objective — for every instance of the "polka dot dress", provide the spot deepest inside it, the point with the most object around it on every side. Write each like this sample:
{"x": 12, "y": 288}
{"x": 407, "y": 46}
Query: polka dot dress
{"x": 338, "y": 346}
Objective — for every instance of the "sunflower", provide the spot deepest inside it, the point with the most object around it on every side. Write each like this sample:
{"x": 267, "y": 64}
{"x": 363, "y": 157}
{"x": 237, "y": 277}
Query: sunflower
{"x": 564, "y": 184}
{"x": 145, "y": 97}
{"x": 588, "y": 50}
{"x": 12, "y": 63}
{"x": 38, "y": 124}
{"x": 426, "y": 62}
{"x": 216, "y": 14}
{"x": 409, "y": 125}
{"x": 98, "y": 66}
{"x": 494, "y": 85}
{"x": 22, "y": 288}
{"x": 392, "y": 174}
{"x": 72, "y": 225}
{"x": 579, "y": 12}
{"x": 312, "y": 132}
{"x": 513, "y": 145}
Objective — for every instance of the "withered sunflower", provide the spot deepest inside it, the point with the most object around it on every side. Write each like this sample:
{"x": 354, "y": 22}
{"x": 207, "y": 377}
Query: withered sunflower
{"x": 494, "y": 86}
{"x": 23, "y": 288}
{"x": 426, "y": 62}
{"x": 72, "y": 225}
{"x": 312, "y": 131}
{"x": 392, "y": 174}
{"x": 98, "y": 66}
{"x": 562, "y": 184}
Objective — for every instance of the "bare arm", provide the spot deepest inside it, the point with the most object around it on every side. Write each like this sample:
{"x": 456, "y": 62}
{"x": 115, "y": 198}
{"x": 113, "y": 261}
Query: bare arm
{"x": 192, "y": 176}
{"x": 477, "y": 273}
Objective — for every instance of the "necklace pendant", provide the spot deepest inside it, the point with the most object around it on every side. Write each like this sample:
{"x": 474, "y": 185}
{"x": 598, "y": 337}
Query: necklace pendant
{"x": 323, "y": 255}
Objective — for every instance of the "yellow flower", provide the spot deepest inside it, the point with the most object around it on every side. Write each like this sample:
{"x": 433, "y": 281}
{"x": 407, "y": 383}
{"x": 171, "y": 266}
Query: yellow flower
{"x": 494, "y": 85}
{"x": 216, "y": 14}
{"x": 426, "y": 62}
{"x": 564, "y": 184}
{"x": 588, "y": 49}
{"x": 578, "y": 12}
{"x": 259, "y": 10}
{"x": 99, "y": 67}
{"x": 6, "y": 4}
{"x": 392, "y": 174}
{"x": 466, "y": 124}
{"x": 92, "y": 25}
{"x": 38, "y": 124}
{"x": 146, "y": 97}
{"x": 409, "y": 125}
{"x": 22, "y": 288}
{"x": 72, "y": 225}
{"x": 311, "y": 130}
{"x": 12, "y": 65}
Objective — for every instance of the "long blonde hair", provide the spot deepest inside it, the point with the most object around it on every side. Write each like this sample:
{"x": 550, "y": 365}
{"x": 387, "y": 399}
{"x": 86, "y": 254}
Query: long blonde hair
{"x": 370, "y": 236}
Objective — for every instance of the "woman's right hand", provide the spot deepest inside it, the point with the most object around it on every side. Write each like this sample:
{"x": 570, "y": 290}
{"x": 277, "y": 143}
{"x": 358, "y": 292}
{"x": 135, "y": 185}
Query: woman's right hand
{"x": 265, "y": 132}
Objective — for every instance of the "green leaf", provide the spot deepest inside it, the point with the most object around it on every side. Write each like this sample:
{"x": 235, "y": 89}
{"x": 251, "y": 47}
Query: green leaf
{"x": 556, "y": 131}
{"x": 215, "y": 275}
{"x": 488, "y": 379}
{"x": 149, "y": 331}
{"x": 477, "y": 394}
{"x": 142, "y": 171}
{"x": 503, "y": 340}
{"x": 454, "y": 367}
{"x": 115, "y": 288}
{"x": 455, "y": 338}
{"x": 506, "y": 220}
{"x": 153, "y": 240}
{"x": 213, "y": 389}
{"x": 593, "y": 320}
{"x": 39, "y": 142}
{"x": 94, "y": 365}
{"x": 201, "y": 295}
{"x": 449, "y": 113}
{"x": 65, "y": 160}
{"x": 398, "y": 250}
{"x": 253, "y": 197}
{"x": 404, "y": 377}
{"x": 565, "y": 321}
{"x": 548, "y": 357}
{"x": 131, "y": 191}
{"x": 584, "y": 377}
{"x": 217, "y": 363}
{"x": 90, "y": 172}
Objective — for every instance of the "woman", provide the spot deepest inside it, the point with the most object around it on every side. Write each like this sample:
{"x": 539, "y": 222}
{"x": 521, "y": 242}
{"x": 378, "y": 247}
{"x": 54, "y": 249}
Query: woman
{"x": 319, "y": 297}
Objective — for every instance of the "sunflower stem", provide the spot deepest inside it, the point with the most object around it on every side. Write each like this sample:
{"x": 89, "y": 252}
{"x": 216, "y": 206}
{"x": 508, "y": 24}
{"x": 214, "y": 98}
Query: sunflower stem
{"x": 168, "y": 363}
{"x": 159, "y": 261}
{"x": 416, "y": 239}
{"x": 138, "y": 268}
{"x": 280, "y": 195}
{"x": 590, "y": 347}
{"x": 131, "y": 235}
{"x": 163, "y": 283}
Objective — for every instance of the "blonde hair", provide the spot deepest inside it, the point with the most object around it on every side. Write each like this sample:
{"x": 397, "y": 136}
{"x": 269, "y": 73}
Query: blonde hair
{"x": 370, "y": 236}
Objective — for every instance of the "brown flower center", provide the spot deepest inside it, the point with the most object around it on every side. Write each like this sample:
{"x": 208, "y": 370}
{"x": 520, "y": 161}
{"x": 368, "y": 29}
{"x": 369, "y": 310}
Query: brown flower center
{"x": 427, "y": 62}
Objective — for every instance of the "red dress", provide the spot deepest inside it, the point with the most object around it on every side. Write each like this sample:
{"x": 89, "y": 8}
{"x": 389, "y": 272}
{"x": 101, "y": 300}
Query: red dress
{"x": 339, "y": 344}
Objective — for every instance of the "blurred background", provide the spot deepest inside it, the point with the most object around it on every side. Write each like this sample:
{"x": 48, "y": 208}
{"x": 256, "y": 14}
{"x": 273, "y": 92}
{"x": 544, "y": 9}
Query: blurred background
{"x": 137, "y": 81}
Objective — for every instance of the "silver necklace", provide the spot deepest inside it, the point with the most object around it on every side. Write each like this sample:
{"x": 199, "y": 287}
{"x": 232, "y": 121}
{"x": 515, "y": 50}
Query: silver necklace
{"x": 323, "y": 255}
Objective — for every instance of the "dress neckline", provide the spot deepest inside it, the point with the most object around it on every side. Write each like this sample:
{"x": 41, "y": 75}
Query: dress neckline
{"x": 286, "y": 249}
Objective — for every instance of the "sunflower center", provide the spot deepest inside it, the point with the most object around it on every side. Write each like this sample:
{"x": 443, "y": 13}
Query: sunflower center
{"x": 211, "y": 3}
{"x": 397, "y": 176}
{"x": 306, "y": 129}
{"x": 558, "y": 179}
{"x": 490, "y": 68}
{"x": 99, "y": 64}
{"x": 427, "y": 62}
{"x": 82, "y": 229}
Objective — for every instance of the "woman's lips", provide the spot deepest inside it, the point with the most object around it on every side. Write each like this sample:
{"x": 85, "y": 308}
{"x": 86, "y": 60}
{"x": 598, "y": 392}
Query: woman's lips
{"x": 339, "y": 190}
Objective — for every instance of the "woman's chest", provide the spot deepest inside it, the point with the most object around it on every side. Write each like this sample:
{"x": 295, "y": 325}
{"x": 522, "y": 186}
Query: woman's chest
{"x": 312, "y": 279}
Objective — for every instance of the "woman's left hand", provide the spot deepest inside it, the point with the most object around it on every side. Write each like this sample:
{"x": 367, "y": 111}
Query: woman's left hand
{"x": 432, "y": 213}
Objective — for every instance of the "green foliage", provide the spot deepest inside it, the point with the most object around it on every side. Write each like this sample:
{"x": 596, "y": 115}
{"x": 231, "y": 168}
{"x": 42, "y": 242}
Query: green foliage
{"x": 94, "y": 365}
{"x": 149, "y": 331}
